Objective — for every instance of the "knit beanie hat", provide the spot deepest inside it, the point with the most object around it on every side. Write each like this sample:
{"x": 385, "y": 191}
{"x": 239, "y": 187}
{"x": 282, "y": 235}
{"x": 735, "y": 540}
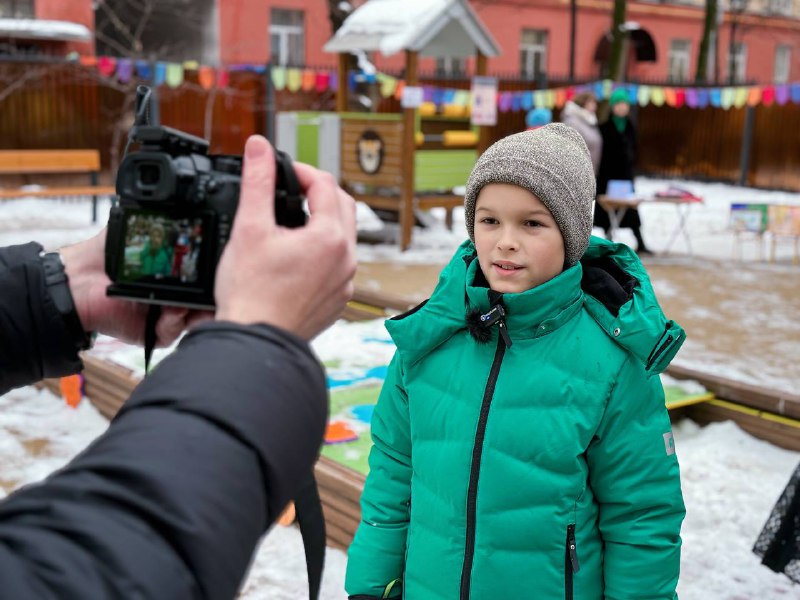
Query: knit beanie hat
{"x": 551, "y": 162}
{"x": 619, "y": 95}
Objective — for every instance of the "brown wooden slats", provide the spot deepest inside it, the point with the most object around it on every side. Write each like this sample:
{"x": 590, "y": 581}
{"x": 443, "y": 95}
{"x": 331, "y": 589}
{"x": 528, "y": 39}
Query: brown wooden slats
{"x": 48, "y": 161}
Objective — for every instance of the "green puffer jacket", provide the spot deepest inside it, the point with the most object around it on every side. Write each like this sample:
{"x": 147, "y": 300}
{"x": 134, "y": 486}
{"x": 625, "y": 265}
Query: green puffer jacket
{"x": 540, "y": 470}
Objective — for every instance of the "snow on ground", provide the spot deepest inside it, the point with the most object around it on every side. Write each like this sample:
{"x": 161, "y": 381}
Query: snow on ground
{"x": 730, "y": 479}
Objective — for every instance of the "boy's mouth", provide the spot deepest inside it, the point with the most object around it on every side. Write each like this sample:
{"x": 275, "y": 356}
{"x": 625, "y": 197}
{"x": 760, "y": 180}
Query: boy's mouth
{"x": 506, "y": 267}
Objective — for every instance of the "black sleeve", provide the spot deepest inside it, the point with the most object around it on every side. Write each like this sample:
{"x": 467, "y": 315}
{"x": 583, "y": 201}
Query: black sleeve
{"x": 171, "y": 501}
{"x": 36, "y": 342}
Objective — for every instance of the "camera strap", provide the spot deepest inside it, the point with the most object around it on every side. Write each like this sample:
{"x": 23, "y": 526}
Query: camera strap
{"x": 150, "y": 338}
{"x": 308, "y": 508}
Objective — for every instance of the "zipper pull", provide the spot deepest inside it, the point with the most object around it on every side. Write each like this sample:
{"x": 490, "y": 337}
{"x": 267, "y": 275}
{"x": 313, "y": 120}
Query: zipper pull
{"x": 497, "y": 316}
{"x": 504, "y": 333}
{"x": 573, "y": 552}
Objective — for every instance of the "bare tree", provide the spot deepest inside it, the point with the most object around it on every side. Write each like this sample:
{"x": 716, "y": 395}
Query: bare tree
{"x": 618, "y": 36}
{"x": 709, "y": 31}
{"x": 147, "y": 30}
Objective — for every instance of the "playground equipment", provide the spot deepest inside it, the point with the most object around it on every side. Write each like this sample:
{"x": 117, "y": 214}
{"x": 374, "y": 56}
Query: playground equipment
{"x": 382, "y": 155}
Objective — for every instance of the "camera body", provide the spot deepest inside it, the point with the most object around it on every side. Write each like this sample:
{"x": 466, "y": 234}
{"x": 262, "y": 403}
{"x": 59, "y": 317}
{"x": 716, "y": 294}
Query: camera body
{"x": 176, "y": 208}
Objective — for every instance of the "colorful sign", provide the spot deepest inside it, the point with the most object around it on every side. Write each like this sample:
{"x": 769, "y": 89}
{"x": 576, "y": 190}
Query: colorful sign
{"x": 751, "y": 218}
{"x": 784, "y": 220}
{"x": 484, "y": 101}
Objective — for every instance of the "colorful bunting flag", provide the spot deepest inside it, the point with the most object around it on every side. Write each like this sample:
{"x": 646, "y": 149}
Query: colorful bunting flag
{"x": 323, "y": 81}
{"x": 125, "y": 70}
{"x": 106, "y": 65}
{"x": 781, "y": 94}
{"x": 294, "y": 79}
{"x": 309, "y": 80}
{"x": 161, "y": 73}
{"x": 754, "y": 96}
{"x": 144, "y": 70}
{"x": 278, "y": 76}
{"x": 728, "y": 94}
{"x": 768, "y": 95}
{"x": 174, "y": 76}
{"x": 206, "y": 77}
{"x": 740, "y": 97}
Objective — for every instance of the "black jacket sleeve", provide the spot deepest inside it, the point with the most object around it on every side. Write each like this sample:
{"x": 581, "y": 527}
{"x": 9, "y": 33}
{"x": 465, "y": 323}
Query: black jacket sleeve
{"x": 34, "y": 340}
{"x": 171, "y": 501}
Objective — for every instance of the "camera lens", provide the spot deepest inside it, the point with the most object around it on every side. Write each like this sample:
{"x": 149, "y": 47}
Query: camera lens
{"x": 149, "y": 175}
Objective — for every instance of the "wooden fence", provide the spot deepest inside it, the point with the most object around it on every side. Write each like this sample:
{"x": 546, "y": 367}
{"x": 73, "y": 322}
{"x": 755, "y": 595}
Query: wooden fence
{"x": 62, "y": 105}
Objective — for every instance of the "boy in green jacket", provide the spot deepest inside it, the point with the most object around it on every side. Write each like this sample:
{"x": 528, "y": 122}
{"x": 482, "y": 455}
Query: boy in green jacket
{"x": 522, "y": 448}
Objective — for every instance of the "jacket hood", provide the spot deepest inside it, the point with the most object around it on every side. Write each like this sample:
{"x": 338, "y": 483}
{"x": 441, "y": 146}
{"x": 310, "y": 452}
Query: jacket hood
{"x": 620, "y": 298}
{"x": 614, "y": 288}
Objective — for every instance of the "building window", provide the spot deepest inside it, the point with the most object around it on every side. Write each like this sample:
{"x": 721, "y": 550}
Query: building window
{"x": 739, "y": 63}
{"x": 451, "y": 66}
{"x": 16, "y": 9}
{"x": 287, "y": 37}
{"x": 533, "y": 53}
{"x": 780, "y": 7}
{"x": 783, "y": 56}
{"x": 679, "y": 57}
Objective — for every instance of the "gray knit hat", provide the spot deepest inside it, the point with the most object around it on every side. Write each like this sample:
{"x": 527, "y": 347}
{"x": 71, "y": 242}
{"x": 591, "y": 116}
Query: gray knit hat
{"x": 551, "y": 162}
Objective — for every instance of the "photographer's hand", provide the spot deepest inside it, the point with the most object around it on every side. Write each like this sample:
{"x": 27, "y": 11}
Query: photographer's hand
{"x": 85, "y": 266}
{"x": 296, "y": 279}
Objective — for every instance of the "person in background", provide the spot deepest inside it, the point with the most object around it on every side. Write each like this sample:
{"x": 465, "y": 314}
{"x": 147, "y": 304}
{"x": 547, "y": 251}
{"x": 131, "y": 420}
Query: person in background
{"x": 617, "y": 162}
{"x": 580, "y": 113}
{"x": 172, "y": 500}
{"x": 778, "y": 545}
{"x": 521, "y": 445}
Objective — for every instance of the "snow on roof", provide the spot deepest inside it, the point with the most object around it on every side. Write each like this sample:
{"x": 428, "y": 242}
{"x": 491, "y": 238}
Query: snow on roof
{"x": 39, "y": 29}
{"x": 431, "y": 27}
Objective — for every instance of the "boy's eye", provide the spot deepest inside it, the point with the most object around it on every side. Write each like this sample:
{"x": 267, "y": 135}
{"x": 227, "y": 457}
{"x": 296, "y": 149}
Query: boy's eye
{"x": 489, "y": 221}
{"x": 533, "y": 224}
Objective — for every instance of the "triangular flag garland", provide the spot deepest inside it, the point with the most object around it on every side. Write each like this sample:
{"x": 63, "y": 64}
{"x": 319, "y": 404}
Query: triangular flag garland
{"x": 323, "y": 80}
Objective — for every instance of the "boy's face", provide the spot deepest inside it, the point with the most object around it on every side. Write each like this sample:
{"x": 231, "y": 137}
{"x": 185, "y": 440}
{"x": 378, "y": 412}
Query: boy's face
{"x": 518, "y": 242}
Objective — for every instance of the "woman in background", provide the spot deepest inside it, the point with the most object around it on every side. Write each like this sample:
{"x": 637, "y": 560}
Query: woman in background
{"x": 580, "y": 113}
{"x": 617, "y": 162}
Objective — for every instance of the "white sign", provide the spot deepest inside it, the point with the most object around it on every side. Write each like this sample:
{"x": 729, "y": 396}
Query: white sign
{"x": 412, "y": 97}
{"x": 484, "y": 101}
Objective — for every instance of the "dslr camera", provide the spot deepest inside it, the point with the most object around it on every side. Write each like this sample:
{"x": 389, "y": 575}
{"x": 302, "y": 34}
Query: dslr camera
{"x": 176, "y": 208}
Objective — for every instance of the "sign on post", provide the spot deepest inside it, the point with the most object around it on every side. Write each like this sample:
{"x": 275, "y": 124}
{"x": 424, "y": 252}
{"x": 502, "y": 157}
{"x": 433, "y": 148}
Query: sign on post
{"x": 484, "y": 101}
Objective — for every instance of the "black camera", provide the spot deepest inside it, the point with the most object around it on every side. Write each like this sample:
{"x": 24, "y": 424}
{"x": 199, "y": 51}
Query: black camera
{"x": 176, "y": 207}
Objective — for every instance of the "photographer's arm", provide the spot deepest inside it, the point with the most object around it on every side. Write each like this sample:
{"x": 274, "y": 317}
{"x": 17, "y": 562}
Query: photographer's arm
{"x": 171, "y": 501}
{"x": 36, "y": 341}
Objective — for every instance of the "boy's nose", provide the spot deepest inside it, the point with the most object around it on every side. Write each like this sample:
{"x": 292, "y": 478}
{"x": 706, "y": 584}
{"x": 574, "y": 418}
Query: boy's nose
{"x": 507, "y": 241}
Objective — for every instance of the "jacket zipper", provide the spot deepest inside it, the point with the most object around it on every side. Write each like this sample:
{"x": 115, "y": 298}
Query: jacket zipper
{"x": 659, "y": 348}
{"x": 571, "y": 564}
{"x": 503, "y": 342}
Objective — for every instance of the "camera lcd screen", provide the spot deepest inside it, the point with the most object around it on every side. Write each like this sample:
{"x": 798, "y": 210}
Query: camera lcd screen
{"x": 161, "y": 249}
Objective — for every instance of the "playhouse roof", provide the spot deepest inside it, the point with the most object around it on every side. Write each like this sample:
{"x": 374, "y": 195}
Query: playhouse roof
{"x": 430, "y": 27}
{"x": 41, "y": 29}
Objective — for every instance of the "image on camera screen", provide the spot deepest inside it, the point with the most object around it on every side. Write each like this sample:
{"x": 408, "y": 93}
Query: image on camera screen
{"x": 159, "y": 249}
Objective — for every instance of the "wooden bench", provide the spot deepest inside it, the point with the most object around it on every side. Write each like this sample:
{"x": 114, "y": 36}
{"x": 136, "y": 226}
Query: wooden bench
{"x": 54, "y": 162}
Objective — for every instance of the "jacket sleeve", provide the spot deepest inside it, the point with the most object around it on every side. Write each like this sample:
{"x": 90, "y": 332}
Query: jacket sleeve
{"x": 171, "y": 501}
{"x": 35, "y": 340}
{"x": 634, "y": 474}
{"x": 377, "y": 554}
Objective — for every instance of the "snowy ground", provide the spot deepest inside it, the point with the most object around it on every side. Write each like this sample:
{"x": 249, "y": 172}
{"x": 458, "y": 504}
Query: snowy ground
{"x": 730, "y": 479}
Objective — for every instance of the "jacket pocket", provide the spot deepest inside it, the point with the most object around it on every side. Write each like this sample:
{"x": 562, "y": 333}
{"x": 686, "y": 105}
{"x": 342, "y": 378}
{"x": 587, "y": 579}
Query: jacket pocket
{"x": 571, "y": 564}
